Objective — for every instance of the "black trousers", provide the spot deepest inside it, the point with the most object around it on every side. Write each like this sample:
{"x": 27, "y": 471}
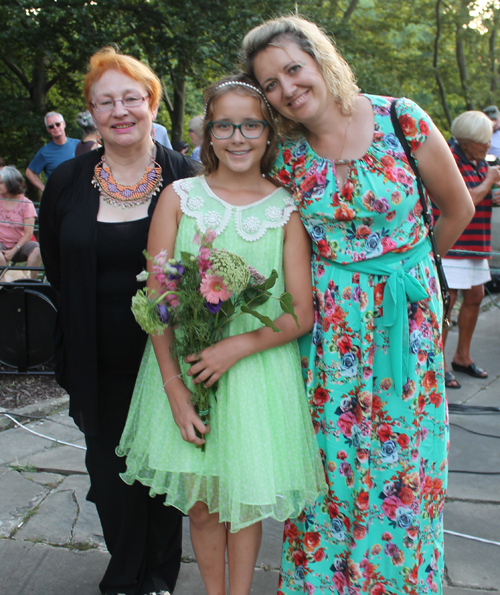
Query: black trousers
{"x": 143, "y": 536}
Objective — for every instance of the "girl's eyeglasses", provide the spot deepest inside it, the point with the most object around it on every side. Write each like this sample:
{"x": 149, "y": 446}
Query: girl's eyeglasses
{"x": 225, "y": 130}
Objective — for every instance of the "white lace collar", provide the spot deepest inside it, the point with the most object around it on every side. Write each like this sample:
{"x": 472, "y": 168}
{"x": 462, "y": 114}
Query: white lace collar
{"x": 251, "y": 221}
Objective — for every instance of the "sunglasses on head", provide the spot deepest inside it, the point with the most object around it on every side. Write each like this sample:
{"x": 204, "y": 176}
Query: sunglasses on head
{"x": 50, "y": 126}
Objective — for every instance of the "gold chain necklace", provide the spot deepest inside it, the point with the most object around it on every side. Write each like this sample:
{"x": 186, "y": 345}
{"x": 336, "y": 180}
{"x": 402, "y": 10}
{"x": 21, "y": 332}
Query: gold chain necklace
{"x": 117, "y": 195}
{"x": 341, "y": 161}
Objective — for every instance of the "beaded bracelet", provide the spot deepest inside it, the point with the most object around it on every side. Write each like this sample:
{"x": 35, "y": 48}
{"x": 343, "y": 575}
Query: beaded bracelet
{"x": 176, "y": 376}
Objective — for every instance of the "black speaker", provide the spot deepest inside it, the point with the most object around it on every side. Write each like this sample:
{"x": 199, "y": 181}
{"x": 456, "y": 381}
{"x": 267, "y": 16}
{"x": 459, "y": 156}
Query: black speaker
{"x": 493, "y": 286}
{"x": 28, "y": 311}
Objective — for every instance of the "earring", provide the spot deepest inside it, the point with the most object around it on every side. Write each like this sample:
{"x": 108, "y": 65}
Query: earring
{"x": 211, "y": 143}
{"x": 268, "y": 142}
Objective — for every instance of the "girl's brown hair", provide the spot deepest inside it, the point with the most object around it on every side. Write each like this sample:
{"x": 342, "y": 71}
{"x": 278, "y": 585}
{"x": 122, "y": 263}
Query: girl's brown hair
{"x": 210, "y": 95}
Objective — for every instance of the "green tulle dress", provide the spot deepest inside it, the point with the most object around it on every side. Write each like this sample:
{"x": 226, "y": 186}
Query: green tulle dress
{"x": 261, "y": 458}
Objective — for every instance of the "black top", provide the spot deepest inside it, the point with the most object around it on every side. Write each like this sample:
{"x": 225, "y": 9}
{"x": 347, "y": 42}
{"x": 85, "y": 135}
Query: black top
{"x": 84, "y": 146}
{"x": 120, "y": 340}
{"x": 68, "y": 242}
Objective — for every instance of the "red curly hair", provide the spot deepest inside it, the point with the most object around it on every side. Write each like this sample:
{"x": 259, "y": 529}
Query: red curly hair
{"x": 109, "y": 59}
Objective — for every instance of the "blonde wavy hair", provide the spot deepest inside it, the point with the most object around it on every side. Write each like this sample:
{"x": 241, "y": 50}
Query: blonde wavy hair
{"x": 338, "y": 75}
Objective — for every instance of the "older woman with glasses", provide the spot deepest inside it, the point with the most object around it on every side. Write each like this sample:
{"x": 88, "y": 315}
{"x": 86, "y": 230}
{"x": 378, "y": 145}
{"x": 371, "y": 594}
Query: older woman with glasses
{"x": 17, "y": 220}
{"x": 472, "y": 133}
{"x": 94, "y": 224}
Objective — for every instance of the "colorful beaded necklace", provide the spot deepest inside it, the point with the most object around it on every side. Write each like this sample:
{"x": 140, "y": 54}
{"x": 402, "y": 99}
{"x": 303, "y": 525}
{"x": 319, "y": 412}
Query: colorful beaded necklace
{"x": 118, "y": 195}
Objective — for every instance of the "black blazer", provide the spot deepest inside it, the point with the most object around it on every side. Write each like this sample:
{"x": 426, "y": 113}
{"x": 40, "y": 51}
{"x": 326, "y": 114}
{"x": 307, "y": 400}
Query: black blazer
{"x": 68, "y": 242}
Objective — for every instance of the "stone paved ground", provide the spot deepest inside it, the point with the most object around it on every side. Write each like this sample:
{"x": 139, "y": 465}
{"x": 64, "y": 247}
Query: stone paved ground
{"x": 51, "y": 541}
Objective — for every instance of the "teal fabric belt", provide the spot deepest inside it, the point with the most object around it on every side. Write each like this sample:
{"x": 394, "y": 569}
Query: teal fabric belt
{"x": 400, "y": 288}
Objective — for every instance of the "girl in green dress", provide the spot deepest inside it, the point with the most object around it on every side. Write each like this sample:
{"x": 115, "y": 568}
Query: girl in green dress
{"x": 260, "y": 458}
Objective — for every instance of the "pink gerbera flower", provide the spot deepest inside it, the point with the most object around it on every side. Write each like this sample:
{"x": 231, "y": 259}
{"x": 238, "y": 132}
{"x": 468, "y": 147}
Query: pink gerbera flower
{"x": 213, "y": 289}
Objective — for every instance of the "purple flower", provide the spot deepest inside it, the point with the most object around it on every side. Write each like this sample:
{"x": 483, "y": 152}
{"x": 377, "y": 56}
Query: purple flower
{"x": 357, "y": 294}
{"x": 163, "y": 314}
{"x": 391, "y": 550}
{"x": 345, "y": 470}
{"x": 381, "y": 205}
{"x": 175, "y": 274}
{"x": 213, "y": 308}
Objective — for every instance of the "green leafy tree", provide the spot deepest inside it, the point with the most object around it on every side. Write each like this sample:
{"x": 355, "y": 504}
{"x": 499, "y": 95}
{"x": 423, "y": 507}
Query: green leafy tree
{"x": 44, "y": 46}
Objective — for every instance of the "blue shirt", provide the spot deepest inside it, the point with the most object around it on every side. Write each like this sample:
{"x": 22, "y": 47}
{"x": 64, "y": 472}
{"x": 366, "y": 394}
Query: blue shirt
{"x": 495, "y": 144}
{"x": 52, "y": 155}
{"x": 161, "y": 135}
{"x": 196, "y": 154}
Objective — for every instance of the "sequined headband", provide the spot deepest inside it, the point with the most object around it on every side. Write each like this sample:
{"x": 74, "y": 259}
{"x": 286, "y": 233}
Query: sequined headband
{"x": 231, "y": 83}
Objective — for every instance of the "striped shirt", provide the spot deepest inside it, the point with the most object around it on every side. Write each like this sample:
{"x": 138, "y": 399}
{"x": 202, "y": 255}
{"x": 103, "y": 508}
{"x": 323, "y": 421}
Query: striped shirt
{"x": 477, "y": 235}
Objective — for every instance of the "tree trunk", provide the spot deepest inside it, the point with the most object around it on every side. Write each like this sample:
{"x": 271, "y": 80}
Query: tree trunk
{"x": 463, "y": 19}
{"x": 166, "y": 100}
{"x": 39, "y": 89}
{"x": 435, "y": 61}
{"x": 332, "y": 9}
{"x": 350, "y": 9}
{"x": 492, "y": 44}
{"x": 177, "y": 115}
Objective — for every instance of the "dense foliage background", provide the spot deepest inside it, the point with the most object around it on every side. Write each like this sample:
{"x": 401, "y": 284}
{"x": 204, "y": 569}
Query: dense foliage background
{"x": 442, "y": 54}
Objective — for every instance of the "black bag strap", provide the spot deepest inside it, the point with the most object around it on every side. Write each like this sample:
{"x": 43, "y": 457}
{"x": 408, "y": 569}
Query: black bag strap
{"x": 425, "y": 213}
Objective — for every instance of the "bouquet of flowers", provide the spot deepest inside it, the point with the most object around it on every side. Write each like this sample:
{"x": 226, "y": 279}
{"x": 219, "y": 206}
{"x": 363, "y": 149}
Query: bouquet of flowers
{"x": 200, "y": 295}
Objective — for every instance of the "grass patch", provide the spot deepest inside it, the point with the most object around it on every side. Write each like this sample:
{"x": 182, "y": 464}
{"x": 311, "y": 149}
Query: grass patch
{"x": 30, "y": 468}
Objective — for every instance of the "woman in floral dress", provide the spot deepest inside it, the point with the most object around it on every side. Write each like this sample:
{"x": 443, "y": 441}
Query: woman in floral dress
{"x": 374, "y": 363}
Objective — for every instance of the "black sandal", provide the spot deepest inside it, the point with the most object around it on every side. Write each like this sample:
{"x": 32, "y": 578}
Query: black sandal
{"x": 450, "y": 381}
{"x": 471, "y": 370}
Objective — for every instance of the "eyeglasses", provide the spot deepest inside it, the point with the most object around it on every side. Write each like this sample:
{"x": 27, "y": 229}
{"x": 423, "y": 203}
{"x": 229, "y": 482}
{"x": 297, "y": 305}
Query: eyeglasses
{"x": 51, "y": 126}
{"x": 107, "y": 105}
{"x": 225, "y": 130}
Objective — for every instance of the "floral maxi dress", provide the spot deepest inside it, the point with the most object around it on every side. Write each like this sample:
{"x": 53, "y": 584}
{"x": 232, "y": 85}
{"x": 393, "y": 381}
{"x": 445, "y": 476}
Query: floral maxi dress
{"x": 383, "y": 442}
